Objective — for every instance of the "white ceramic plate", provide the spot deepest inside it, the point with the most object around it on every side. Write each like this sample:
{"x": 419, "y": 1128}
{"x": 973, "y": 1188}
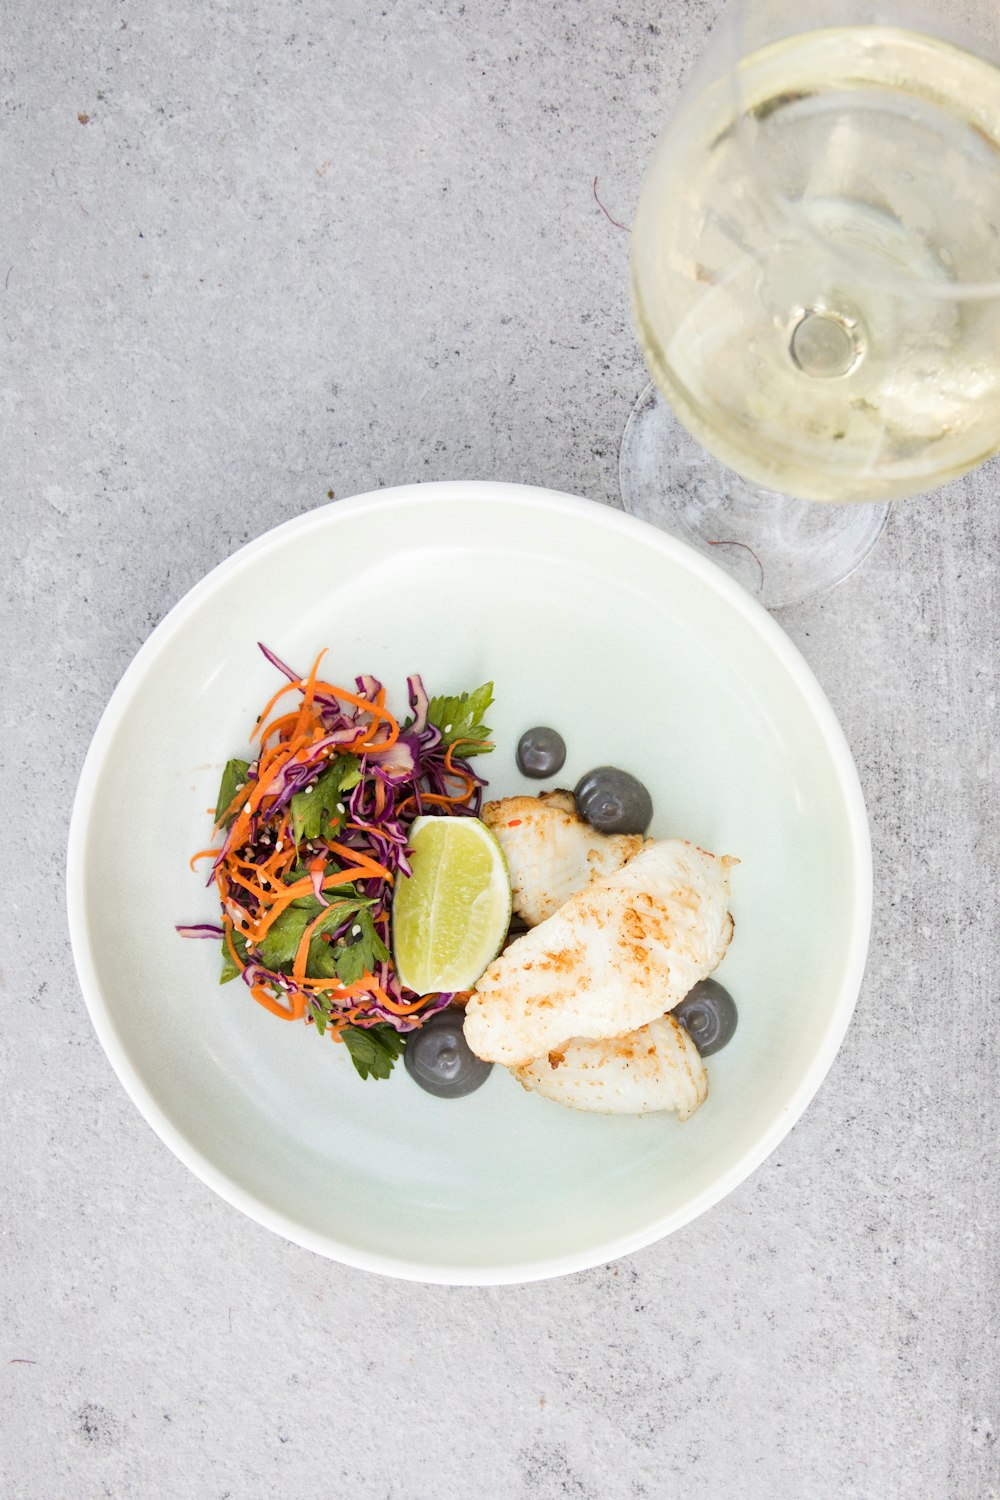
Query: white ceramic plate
{"x": 642, "y": 654}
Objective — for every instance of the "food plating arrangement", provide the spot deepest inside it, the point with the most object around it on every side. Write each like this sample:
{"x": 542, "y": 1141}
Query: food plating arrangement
{"x": 367, "y": 889}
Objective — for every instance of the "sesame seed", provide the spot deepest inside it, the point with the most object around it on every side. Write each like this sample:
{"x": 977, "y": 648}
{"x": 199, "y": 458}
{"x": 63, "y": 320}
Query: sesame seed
{"x": 447, "y": 729}
{"x": 341, "y": 808}
{"x": 355, "y": 931}
{"x": 308, "y": 790}
{"x": 246, "y": 807}
{"x": 279, "y": 845}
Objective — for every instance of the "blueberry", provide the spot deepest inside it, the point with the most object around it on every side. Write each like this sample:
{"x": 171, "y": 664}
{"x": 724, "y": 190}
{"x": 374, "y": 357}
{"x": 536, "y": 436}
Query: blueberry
{"x": 439, "y": 1058}
{"x": 613, "y": 801}
{"x": 541, "y": 752}
{"x": 708, "y": 1014}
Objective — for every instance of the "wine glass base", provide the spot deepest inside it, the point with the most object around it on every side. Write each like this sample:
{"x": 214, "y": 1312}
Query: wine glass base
{"x": 781, "y": 550}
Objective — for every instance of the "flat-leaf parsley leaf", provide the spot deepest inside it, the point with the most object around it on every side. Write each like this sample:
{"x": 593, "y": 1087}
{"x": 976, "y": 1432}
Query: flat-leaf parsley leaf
{"x": 363, "y": 951}
{"x": 321, "y": 809}
{"x": 373, "y": 1049}
{"x": 461, "y": 718}
{"x": 229, "y": 969}
{"x": 233, "y": 777}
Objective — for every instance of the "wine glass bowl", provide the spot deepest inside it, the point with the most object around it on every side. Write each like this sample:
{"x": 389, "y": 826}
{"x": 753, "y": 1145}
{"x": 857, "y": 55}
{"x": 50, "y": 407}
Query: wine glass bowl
{"x": 816, "y": 270}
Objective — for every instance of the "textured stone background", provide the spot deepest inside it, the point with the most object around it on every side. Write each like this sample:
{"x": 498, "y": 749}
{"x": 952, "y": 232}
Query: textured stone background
{"x": 252, "y": 253}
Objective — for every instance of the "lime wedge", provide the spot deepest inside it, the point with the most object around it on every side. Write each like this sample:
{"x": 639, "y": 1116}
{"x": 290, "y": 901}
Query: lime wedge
{"x": 450, "y": 917}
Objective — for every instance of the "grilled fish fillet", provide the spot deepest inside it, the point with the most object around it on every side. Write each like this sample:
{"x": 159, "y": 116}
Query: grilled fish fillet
{"x": 614, "y": 957}
{"x": 551, "y": 852}
{"x": 657, "y": 1067}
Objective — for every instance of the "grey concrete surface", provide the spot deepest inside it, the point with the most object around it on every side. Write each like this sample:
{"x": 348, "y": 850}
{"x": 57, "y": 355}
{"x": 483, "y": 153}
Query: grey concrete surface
{"x": 256, "y": 252}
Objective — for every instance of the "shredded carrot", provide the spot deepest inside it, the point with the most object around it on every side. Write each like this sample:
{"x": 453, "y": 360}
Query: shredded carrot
{"x": 434, "y": 799}
{"x": 293, "y": 1011}
{"x": 308, "y": 694}
{"x": 289, "y": 687}
{"x": 302, "y": 951}
{"x": 278, "y": 727}
{"x": 481, "y": 744}
{"x": 376, "y": 710}
{"x": 227, "y": 928}
{"x": 393, "y": 1005}
{"x": 374, "y": 869}
{"x": 463, "y": 776}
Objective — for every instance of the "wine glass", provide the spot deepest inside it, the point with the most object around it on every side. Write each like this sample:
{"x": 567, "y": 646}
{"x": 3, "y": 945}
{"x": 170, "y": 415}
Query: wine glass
{"x": 816, "y": 282}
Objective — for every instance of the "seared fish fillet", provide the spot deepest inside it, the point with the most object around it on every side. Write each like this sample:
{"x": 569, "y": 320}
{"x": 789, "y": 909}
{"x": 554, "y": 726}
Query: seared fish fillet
{"x": 657, "y": 1067}
{"x": 551, "y": 851}
{"x": 614, "y": 957}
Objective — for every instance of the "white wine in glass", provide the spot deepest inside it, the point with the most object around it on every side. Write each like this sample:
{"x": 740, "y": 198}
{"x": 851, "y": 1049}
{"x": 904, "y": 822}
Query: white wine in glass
{"x": 816, "y": 284}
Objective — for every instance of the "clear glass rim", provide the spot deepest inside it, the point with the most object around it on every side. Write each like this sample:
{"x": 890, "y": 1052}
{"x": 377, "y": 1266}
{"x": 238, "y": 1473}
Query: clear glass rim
{"x": 863, "y": 266}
